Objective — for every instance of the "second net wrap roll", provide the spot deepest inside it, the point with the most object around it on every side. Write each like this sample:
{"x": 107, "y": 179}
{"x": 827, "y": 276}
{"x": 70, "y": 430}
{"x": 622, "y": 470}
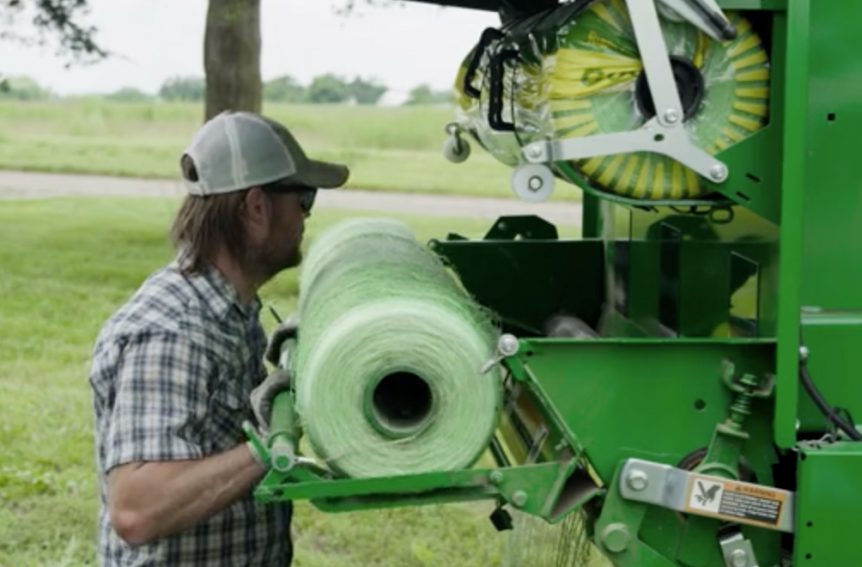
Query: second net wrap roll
{"x": 387, "y": 365}
{"x": 578, "y": 73}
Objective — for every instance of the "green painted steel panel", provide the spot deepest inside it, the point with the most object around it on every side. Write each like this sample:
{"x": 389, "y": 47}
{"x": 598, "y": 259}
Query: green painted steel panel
{"x": 832, "y": 205}
{"x": 794, "y": 171}
{"x": 828, "y": 504}
{"x": 822, "y": 196}
{"x": 647, "y": 398}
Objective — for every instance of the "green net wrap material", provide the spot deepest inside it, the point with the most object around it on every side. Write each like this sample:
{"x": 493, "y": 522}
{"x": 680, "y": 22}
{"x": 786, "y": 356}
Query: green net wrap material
{"x": 577, "y": 76}
{"x": 533, "y": 541}
{"x": 387, "y": 365}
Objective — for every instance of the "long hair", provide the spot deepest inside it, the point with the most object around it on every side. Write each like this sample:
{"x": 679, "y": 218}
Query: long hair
{"x": 206, "y": 223}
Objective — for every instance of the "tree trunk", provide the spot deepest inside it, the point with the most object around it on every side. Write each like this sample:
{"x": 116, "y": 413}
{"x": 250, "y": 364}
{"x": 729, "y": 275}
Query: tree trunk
{"x": 232, "y": 56}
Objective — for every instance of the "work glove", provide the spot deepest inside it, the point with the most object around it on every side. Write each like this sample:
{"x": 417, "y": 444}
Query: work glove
{"x": 279, "y": 379}
{"x": 261, "y": 405}
{"x": 285, "y": 331}
{"x": 263, "y": 394}
{"x": 261, "y": 397}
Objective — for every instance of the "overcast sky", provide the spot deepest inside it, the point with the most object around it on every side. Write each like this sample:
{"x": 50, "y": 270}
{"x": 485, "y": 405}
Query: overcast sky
{"x": 401, "y": 45}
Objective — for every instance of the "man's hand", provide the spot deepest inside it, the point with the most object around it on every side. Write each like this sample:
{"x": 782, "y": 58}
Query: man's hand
{"x": 261, "y": 397}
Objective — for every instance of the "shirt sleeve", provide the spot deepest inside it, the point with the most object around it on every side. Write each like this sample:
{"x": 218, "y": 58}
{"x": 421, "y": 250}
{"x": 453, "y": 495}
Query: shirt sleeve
{"x": 160, "y": 403}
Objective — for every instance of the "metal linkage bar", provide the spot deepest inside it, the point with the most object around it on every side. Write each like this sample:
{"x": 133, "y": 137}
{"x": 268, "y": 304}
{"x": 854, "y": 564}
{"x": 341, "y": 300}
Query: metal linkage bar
{"x": 705, "y": 495}
{"x": 656, "y": 62}
{"x": 651, "y": 137}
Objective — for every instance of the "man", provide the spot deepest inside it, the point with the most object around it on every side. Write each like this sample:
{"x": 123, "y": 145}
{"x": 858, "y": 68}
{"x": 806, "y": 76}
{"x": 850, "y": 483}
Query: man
{"x": 173, "y": 368}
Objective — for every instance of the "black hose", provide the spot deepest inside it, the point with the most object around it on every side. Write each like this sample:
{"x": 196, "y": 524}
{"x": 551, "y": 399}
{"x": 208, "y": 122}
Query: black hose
{"x": 488, "y": 36}
{"x": 824, "y": 406}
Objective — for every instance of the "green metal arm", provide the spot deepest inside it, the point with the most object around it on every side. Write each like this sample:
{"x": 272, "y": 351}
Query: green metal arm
{"x": 284, "y": 432}
{"x": 548, "y": 490}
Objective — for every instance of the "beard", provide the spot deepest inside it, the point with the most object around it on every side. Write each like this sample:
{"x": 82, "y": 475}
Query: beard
{"x": 268, "y": 260}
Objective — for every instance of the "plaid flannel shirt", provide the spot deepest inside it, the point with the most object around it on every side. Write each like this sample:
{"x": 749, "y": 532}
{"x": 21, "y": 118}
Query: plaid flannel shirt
{"x": 171, "y": 375}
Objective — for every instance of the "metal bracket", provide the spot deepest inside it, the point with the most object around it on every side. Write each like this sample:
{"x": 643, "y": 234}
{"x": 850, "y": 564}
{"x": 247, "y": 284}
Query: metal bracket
{"x": 706, "y": 495}
{"x": 672, "y": 141}
{"x": 752, "y": 386}
{"x": 507, "y": 345}
{"x": 737, "y": 551}
{"x": 663, "y": 134}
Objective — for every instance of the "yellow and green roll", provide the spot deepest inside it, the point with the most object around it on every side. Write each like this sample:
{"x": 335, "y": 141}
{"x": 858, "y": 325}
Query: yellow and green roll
{"x": 583, "y": 81}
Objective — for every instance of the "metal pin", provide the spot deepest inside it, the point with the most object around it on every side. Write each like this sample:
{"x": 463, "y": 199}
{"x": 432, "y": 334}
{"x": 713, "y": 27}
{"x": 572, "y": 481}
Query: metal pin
{"x": 275, "y": 314}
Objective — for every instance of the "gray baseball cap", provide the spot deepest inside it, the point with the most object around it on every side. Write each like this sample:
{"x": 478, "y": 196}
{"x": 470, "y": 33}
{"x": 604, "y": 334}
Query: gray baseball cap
{"x": 238, "y": 150}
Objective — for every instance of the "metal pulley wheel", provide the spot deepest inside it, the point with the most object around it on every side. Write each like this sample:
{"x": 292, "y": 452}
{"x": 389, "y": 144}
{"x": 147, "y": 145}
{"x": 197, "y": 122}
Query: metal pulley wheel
{"x": 455, "y": 149}
{"x": 533, "y": 183}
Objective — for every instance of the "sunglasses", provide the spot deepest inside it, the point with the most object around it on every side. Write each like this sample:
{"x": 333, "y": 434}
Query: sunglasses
{"x": 306, "y": 198}
{"x": 306, "y": 194}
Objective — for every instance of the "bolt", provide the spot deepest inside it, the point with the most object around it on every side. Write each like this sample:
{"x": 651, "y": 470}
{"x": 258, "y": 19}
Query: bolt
{"x": 615, "y": 537}
{"x": 496, "y": 477}
{"x": 508, "y": 344}
{"x": 718, "y": 172}
{"x": 671, "y": 116}
{"x": 519, "y": 498}
{"x": 739, "y": 558}
{"x": 804, "y": 353}
{"x": 535, "y": 183}
{"x": 637, "y": 480}
{"x": 535, "y": 151}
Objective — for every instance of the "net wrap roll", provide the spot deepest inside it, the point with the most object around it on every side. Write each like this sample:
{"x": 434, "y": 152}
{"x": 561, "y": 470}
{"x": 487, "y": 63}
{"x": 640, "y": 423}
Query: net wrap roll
{"x": 390, "y": 347}
{"x": 578, "y": 73}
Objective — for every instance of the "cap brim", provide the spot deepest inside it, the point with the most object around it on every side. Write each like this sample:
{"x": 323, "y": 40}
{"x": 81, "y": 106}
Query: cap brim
{"x": 322, "y": 175}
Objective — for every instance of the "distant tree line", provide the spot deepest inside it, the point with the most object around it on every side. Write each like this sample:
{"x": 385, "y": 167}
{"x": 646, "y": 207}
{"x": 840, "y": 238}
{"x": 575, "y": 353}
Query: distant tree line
{"x": 23, "y": 88}
{"x": 232, "y": 46}
{"x": 323, "y": 89}
{"x": 424, "y": 94}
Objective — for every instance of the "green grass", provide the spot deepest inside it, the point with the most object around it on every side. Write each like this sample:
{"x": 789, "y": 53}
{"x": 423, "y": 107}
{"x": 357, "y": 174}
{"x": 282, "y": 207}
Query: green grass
{"x": 65, "y": 266}
{"x": 387, "y": 149}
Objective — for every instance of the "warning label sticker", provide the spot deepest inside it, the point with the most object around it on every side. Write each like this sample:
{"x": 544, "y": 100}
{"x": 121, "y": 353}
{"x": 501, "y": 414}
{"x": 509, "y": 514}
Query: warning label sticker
{"x": 734, "y": 501}
{"x": 706, "y": 495}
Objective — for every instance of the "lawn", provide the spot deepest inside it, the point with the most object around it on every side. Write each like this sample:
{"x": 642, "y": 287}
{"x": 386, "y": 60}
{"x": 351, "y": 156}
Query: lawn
{"x": 65, "y": 265}
{"x": 387, "y": 149}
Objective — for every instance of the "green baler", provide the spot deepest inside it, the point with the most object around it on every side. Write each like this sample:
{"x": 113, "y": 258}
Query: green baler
{"x": 696, "y": 421}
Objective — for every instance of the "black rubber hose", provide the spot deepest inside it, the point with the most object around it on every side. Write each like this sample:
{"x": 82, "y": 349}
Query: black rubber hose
{"x": 496, "y": 90}
{"x": 824, "y": 406}
{"x": 488, "y": 36}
